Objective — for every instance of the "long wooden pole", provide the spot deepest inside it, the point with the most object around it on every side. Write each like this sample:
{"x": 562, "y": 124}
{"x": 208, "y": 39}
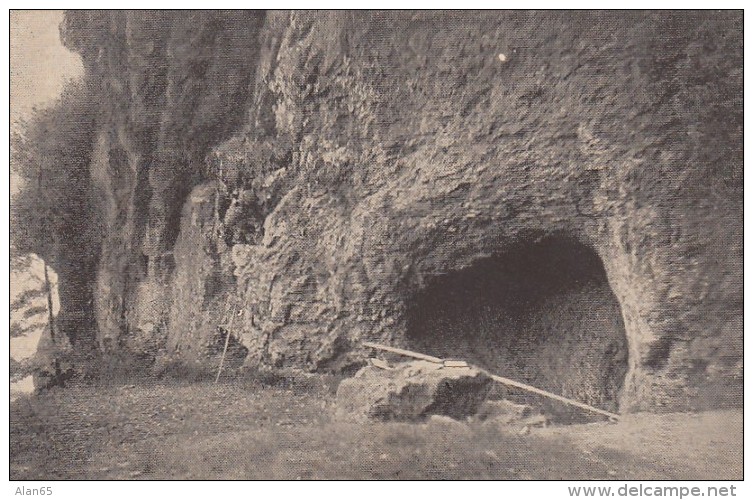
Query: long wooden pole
{"x": 403, "y": 352}
{"x": 501, "y": 380}
{"x": 50, "y": 315}
{"x": 51, "y": 321}
{"x": 551, "y": 395}
{"x": 227, "y": 342}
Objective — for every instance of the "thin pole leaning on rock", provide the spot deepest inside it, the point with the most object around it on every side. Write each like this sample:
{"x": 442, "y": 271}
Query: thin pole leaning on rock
{"x": 403, "y": 352}
{"x": 502, "y": 380}
{"x": 551, "y": 395}
{"x": 48, "y": 291}
{"x": 227, "y": 341}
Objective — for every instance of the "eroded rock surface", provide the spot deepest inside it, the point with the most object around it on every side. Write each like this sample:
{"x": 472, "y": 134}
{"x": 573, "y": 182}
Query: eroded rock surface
{"x": 416, "y": 153}
{"x": 376, "y": 157}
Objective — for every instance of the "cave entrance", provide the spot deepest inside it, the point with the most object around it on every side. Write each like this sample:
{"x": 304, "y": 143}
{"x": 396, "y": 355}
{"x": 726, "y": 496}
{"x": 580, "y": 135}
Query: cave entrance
{"x": 542, "y": 312}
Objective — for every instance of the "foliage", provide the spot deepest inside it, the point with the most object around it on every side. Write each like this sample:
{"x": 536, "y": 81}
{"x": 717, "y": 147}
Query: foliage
{"x": 52, "y": 212}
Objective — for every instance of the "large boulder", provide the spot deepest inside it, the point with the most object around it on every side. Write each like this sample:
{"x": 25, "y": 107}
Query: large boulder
{"x": 412, "y": 391}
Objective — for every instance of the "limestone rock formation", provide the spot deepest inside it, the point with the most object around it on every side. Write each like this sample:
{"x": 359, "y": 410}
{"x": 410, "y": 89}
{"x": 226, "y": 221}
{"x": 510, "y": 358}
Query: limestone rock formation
{"x": 172, "y": 84}
{"x": 555, "y": 196}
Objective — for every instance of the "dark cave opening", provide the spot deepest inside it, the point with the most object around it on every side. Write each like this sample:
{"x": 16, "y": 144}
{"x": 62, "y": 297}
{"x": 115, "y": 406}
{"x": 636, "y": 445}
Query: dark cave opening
{"x": 542, "y": 313}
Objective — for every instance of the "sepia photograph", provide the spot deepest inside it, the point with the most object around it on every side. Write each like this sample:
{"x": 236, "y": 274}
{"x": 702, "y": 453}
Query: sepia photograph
{"x": 376, "y": 245}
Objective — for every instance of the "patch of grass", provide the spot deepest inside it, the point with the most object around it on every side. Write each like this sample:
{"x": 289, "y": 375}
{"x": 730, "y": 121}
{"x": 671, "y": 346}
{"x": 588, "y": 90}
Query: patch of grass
{"x": 251, "y": 429}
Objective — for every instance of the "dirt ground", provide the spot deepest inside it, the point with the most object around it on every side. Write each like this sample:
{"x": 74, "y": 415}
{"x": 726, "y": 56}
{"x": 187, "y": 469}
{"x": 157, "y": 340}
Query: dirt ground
{"x": 243, "y": 430}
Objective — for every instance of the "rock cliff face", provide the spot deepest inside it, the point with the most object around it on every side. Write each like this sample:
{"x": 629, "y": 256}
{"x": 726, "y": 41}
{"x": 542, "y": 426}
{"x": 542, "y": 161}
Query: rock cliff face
{"x": 556, "y": 196}
{"x": 172, "y": 85}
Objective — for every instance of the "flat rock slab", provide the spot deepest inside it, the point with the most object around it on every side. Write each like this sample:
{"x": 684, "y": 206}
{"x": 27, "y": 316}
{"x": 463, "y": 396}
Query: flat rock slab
{"x": 412, "y": 391}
